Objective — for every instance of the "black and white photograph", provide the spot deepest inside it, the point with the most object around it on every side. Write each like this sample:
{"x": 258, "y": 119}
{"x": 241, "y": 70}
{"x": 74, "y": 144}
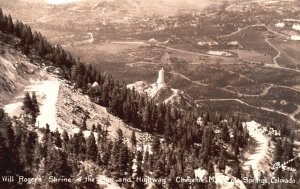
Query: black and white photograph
{"x": 149, "y": 94}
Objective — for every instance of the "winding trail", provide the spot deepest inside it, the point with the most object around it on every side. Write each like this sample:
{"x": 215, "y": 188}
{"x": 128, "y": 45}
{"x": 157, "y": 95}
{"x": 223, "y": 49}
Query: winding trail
{"x": 188, "y": 79}
{"x": 276, "y": 65}
{"x": 240, "y": 29}
{"x": 255, "y": 159}
{"x": 275, "y": 57}
{"x": 175, "y": 93}
{"x": 263, "y": 93}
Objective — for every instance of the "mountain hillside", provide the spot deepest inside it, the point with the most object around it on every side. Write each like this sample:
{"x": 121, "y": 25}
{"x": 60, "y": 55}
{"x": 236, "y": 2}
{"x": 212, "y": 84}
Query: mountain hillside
{"x": 69, "y": 125}
{"x": 15, "y": 70}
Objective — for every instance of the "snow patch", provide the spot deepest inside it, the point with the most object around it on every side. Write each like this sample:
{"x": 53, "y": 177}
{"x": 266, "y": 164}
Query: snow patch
{"x": 280, "y": 24}
{"x": 11, "y": 108}
{"x": 226, "y": 182}
{"x": 296, "y": 27}
{"x": 201, "y": 174}
{"x": 108, "y": 182}
{"x": 219, "y": 53}
{"x": 207, "y": 43}
{"x": 295, "y": 37}
{"x": 233, "y": 43}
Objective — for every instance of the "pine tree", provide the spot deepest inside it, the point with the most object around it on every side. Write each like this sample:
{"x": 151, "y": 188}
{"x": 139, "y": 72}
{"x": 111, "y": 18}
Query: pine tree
{"x": 107, "y": 153}
{"x": 59, "y": 168}
{"x": 84, "y": 126}
{"x": 146, "y": 117}
{"x": 123, "y": 159}
{"x": 1, "y": 20}
{"x": 155, "y": 144}
{"x": 57, "y": 139}
{"x": 139, "y": 157}
{"x": 91, "y": 148}
{"x": 206, "y": 145}
{"x": 65, "y": 140}
{"x": 93, "y": 128}
{"x": 120, "y": 137}
{"x": 35, "y": 107}
{"x": 27, "y": 104}
{"x": 225, "y": 134}
{"x": 237, "y": 172}
{"x": 81, "y": 146}
{"x": 278, "y": 152}
{"x": 159, "y": 171}
{"x": 211, "y": 174}
{"x": 10, "y": 25}
{"x": 30, "y": 144}
{"x": 133, "y": 139}
{"x": 222, "y": 161}
{"x": 138, "y": 179}
{"x": 3, "y": 156}
{"x": 278, "y": 157}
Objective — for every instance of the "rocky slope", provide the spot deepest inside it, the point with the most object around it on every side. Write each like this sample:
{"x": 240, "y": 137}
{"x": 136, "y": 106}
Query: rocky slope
{"x": 15, "y": 69}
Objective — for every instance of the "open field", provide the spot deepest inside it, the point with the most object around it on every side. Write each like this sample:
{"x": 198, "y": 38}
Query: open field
{"x": 253, "y": 39}
{"x": 244, "y": 111}
{"x": 280, "y": 105}
{"x": 249, "y": 89}
{"x": 254, "y": 56}
{"x": 290, "y": 56}
{"x": 267, "y": 75}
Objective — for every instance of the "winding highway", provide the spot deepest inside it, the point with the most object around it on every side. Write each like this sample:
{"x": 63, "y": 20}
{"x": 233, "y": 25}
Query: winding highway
{"x": 291, "y": 116}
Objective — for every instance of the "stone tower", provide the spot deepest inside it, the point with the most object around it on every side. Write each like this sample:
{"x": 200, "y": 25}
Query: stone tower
{"x": 161, "y": 77}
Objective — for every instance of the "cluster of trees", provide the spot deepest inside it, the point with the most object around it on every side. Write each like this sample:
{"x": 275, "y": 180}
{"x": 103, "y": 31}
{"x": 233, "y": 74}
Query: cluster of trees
{"x": 34, "y": 45}
{"x": 21, "y": 154}
{"x": 59, "y": 155}
{"x": 178, "y": 127}
{"x": 284, "y": 148}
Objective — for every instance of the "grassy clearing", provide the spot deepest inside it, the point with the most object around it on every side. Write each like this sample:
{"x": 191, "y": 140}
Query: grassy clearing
{"x": 290, "y": 56}
{"x": 253, "y": 39}
{"x": 248, "y": 88}
{"x": 248, "y": 113}
{"x": 200, "y": 58}
{"x": 279, "y": 105}
{"x": 201, "y": 92}
{"x": 267, "y": 75}
{"x": 254, "y": 56}
{"x": 282, "y": 94}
